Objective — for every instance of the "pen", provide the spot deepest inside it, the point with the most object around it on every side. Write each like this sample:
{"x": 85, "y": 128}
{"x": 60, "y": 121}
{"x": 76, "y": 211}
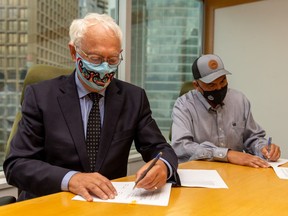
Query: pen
{"x": 148, "y": 169}
{"x": 269, "y": 145}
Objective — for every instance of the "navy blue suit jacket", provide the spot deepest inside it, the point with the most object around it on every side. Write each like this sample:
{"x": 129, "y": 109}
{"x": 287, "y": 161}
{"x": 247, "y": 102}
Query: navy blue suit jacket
{"x": 50, "y": 139}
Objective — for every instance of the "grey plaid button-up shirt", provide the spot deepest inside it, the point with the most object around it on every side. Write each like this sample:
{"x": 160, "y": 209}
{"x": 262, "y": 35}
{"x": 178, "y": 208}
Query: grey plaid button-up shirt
{"x": 200, "y": 131}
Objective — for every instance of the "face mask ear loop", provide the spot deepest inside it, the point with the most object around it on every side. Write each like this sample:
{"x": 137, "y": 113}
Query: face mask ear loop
{"x": 200, "y": 86}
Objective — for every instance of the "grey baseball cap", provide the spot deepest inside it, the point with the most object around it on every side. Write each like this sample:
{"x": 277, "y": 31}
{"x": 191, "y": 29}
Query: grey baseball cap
{"x": 208, "y": 67}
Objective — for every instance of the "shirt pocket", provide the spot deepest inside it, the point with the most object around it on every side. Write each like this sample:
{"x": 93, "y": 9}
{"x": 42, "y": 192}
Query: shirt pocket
{"x": 237, "y": 135}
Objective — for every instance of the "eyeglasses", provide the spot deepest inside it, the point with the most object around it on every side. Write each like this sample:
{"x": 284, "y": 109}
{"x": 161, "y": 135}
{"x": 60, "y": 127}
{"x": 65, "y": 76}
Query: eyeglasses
{"x": 96, "y": 59}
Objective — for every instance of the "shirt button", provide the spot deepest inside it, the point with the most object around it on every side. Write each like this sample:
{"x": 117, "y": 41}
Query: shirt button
{"x": 221, "y": 155}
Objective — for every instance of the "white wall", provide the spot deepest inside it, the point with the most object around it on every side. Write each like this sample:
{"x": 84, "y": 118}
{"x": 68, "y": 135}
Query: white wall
{"x": 252, "y": 40}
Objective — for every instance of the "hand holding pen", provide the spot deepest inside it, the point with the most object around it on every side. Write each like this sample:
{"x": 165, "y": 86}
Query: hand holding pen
{"x": 143, "y": 174}
{"x": 272, "y": 151}
{"x": 269, "y": 147}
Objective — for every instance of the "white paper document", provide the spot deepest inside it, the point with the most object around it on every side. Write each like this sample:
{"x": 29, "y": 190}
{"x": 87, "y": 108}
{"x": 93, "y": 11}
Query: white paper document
{"x": 126, "y": 194}
{"x": 201, "y": 178}
{"x": 279, "y": 162}
{"x": 281, "y": 172}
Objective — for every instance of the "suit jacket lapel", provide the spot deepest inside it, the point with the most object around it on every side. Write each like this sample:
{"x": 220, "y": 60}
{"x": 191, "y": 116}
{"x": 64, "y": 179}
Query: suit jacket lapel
{"x": 113, "y": 106}
{"x": 70, "y": 106}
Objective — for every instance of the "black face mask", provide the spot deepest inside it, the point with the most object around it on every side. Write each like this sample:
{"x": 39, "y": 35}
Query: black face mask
{"x": 216, "y": 96}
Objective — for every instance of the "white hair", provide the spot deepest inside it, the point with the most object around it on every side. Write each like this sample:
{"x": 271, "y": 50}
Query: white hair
{"x": 79, "y": 27}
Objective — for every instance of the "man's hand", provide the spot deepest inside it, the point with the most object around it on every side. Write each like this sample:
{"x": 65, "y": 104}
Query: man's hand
{"x": 245, "y": 159}
{"x": 155, "y": 178}
{"x": 273, "y": 154}
{"x": 87, "y": 184}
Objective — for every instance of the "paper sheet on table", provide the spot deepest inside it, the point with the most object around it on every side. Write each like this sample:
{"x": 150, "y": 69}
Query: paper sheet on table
{"x": 279, "y": 162}
{"x": 126, "y": 194}
{"x": 201, "y": 178}
{"x": 281, "y": 172}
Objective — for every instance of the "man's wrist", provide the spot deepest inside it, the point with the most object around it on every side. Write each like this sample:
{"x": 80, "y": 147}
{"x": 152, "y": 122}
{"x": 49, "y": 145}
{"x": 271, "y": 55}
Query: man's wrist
{"x": 220, "y": 154}
{"x": 66, "y": 179}
{"x": 169, "y": 168}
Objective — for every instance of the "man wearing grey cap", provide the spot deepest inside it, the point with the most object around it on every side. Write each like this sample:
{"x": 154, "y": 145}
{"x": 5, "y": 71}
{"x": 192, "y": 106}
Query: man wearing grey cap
{"x": 214, "y": 122}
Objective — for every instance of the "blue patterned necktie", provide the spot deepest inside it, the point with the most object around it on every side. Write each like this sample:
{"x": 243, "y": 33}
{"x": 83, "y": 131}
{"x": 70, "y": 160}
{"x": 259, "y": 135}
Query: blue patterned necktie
{"x": 93, "y": 130}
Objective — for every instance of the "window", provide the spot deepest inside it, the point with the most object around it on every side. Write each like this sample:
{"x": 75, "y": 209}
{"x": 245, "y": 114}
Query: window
{"x": 165, "y": 39}
{"x": 46, "y": 26}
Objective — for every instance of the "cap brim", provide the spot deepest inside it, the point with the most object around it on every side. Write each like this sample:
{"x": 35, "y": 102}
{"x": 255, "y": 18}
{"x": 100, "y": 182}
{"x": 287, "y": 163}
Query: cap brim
{"x": 215, "y": 75}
